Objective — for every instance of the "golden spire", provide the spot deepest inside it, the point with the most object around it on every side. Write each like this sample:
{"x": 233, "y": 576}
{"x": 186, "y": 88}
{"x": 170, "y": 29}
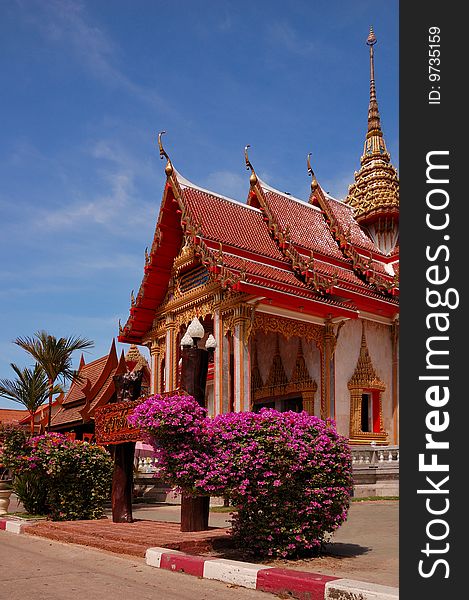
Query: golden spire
{"x": 374, "y": 123}
{"x": 375, "y": 194}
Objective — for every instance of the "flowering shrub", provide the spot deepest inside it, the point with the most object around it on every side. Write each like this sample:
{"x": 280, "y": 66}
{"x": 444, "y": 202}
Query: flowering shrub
{"x": 12, "y": 444}
{"x": 289, "y": 474}
{"x": 75, "y": 476}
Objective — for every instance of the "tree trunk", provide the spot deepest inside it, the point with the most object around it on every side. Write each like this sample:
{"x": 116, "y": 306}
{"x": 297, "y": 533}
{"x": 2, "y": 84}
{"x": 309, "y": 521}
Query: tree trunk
{"x": 32, "y": 423}
{"x": 194, "y": 513}
{"x": 122, "y": 482}
{"x": 49, "y": 416}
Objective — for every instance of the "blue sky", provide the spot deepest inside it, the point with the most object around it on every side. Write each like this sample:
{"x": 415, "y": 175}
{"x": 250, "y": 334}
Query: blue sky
{"x": 87, "y": 85}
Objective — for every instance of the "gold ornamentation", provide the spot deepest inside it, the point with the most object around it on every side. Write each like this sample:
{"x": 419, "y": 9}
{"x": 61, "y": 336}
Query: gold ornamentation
{"x": 169, "y": 167}
{"x": 331, "y": 335}
{"x": 289, "y": 328}
{"x": 199, "y": 310}
{"x": 364, "y": 380}
{"x": 314, "y": 181}
{"x": 185, "y": 258}
{"x": 321, "y": 284}
{"x": 253, "y": 178}
{"x": 365, "y": 375}
{"x": 375, "y": 193}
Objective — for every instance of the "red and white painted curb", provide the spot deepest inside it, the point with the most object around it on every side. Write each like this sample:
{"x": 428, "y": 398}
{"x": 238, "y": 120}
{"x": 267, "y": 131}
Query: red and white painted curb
{"x": 11, "y": 525}
{"x": 299, "y": 584}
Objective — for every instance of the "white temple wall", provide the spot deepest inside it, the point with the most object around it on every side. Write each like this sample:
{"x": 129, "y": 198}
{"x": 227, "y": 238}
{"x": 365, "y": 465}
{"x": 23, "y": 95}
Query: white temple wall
{"x": 378, "y": 338}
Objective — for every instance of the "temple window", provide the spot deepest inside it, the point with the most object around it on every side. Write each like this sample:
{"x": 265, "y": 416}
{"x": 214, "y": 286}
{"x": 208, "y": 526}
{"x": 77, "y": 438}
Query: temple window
{"x": 366, "y": 411}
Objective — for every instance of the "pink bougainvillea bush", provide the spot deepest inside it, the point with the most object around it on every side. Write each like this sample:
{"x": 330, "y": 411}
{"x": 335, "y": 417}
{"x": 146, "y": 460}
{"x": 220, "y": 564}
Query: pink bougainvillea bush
{"x": 288, "y": 474}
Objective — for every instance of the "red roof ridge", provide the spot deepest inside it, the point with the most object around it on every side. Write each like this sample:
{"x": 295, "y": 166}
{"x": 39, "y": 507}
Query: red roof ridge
{"x": 268, "y": 187}
{"x": 183, "y": 182}
{"x": 110, "y": 364}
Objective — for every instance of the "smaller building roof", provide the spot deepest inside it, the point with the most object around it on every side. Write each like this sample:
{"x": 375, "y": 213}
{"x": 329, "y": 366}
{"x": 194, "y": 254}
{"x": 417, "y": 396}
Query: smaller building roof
{"x": 12, "y": 416}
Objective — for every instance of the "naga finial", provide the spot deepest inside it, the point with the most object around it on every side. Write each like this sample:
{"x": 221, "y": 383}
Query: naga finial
{"x": 253, "y": 178}
{"x": 314, "y": 181}
{"x": 163, "y": 154}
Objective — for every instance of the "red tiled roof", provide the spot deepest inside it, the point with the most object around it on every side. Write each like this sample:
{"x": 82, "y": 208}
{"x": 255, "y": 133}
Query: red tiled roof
{"x": 8, "y": 415}
{"x": 67, "y": 415}
{"x": 107, "y": 388}
{"x": 306, "y": 225}
{"x": 230, "y": 222}
{"x": 90, "y": 372}
{"x": 344, "y": 216}
{"x": 267, "y": 246}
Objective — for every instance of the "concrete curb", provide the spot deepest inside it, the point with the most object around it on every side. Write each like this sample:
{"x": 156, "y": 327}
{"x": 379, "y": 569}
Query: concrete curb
{"x": 298, "y": 584}
{"x": 13, "y": 526}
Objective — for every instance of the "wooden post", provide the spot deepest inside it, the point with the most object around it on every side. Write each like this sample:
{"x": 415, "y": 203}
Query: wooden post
{"x": 194, "y": 510}
{"x": 194, "y": 513}
{"x": 122, "y": 482}
{"x": 194, "y": 373}
{"x": 128, "y": 388}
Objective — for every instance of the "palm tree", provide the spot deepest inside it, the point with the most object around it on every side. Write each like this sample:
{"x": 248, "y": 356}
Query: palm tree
{"x": 30, "y": 388}
{"x": 55, "y": 357}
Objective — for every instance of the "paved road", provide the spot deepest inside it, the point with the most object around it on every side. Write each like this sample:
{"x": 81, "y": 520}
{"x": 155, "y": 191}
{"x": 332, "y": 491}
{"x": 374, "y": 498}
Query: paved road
{"x": 37, "y": 569}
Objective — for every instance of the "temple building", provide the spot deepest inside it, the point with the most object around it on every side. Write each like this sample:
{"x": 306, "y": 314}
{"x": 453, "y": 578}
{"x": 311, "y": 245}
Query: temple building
{"x": 95, "y": 388}
{"x": 301, "y": 295}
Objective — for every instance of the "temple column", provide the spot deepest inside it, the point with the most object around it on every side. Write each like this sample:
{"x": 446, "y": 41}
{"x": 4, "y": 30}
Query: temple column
{"x": 242, "y": 372}
{"x": 328, "y": 366}
{"x": 218, "y": 358}
{"x": 329, "y": 345}
{"x": 156, "y": 354}
{"x": 170, "y": 359}
{"x": 395, "y": 379}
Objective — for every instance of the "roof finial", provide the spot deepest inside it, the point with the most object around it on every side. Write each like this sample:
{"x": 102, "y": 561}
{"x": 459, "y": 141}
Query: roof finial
{"x": 169, "y": 167}
{"x": 374, "y": 123}
{"x": 314, "y": 181}
{"x": 374, "y": 195}
{"x": 253, "y": 178}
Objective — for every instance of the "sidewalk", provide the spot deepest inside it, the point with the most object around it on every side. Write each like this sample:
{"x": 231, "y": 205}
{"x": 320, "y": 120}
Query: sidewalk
{"x": 365, "y": 548}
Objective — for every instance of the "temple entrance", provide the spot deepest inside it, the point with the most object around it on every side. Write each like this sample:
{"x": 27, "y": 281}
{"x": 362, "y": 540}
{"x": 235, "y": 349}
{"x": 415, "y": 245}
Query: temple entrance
{"x": 282, "y": 404}
{"x": 278, "y": 391}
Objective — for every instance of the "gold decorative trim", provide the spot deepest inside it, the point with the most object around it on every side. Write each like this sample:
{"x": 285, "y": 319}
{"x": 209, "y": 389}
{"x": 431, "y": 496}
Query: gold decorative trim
{"x": 289, "y": 328}
{"x": 364, "y": 380}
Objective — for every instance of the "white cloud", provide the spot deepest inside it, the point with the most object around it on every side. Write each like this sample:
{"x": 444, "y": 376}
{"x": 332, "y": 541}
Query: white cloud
{"x": 66, "y": 23}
